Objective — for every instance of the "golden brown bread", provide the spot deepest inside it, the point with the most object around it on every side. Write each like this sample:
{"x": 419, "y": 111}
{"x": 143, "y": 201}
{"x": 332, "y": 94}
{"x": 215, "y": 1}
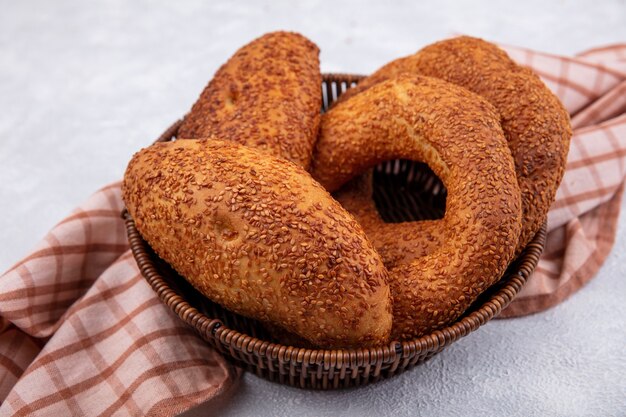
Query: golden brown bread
{"x": 266, "y": 96}
{"x": 458, "y": 134}
{"x": 278, "y": 112}
{"x": 534, "y": 121}
{"x": 395, "y": 242}
{"x": 258, "y": 235}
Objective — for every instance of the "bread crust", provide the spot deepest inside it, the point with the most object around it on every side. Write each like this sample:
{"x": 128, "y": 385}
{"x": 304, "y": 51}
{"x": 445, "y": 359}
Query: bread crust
{"x": 267, "y": 96}
{"x": 259, "y": 236}
{"x": 534, "y": 121}
{"x": 457, "y": 133}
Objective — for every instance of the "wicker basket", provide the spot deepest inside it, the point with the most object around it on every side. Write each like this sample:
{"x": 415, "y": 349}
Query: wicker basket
{"x": 404, "y": 191}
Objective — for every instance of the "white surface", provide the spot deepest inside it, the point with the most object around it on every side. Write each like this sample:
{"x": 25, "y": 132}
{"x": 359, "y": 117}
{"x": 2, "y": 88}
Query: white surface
{"x": 83, "y": 85}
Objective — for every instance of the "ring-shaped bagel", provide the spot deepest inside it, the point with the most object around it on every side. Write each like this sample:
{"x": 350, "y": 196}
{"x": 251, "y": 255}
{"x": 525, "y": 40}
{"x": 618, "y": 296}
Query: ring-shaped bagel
{"x": 534, "y": 121}
{"x": 458, "y": 135}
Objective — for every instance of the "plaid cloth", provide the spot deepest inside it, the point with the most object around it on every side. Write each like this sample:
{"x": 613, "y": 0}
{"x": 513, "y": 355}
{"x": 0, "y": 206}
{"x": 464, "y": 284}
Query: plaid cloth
{"x": 82, "y": 333}
{"x": 582, "y": 220}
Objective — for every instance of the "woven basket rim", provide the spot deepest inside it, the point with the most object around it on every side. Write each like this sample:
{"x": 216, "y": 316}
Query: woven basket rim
{"x": 215, "y": 329}
{"x": 218, "y": 332}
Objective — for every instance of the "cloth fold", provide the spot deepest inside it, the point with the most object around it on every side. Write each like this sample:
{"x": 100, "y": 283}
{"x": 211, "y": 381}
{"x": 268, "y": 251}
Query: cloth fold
{"x": 82, "y": 333}
{"x": 582, "y": 221}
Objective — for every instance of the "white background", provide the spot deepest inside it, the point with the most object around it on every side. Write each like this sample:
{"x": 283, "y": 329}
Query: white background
{"x": 85, "y": 84}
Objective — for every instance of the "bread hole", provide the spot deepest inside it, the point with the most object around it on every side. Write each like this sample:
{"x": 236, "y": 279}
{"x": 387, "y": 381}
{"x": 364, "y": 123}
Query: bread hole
{"x": 232, "y": 97}
{"x": 224, "y": 229}
{"x": 408, "y": 191}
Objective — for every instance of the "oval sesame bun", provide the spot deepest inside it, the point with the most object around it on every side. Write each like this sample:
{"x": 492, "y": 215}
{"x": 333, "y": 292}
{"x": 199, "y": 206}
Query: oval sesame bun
{"x": 259, "y": 236}
{"x": 458, "y": 134}
{"x": 535, "y": 123}
{"x": 266, "y": 96}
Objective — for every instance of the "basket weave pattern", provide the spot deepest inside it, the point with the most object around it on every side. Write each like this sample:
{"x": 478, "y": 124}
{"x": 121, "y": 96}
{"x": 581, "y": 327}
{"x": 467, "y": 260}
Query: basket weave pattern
{"x": 403, "y": 191}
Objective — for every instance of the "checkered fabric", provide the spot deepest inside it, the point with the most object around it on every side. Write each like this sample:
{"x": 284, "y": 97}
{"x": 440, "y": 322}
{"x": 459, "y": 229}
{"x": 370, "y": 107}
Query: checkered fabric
{"x": 82, "y": 333}
{"x": 582, "y": 220}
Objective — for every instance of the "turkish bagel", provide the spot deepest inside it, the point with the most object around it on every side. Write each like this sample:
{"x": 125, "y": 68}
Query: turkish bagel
{"x": 535, "y": 123}
{"x": 458, "y": 134}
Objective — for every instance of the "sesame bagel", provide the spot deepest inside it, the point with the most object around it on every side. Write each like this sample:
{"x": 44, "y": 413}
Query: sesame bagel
{"x": 259, "y": 236}
{"x": 457, "y": 133}
{"x": 535, "y": 123}
{"x": 267, "y": 95}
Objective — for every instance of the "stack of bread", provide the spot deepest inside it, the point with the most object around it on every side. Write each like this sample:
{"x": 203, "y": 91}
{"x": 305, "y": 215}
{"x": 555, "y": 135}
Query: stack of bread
{"x": 240, "y": 205}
